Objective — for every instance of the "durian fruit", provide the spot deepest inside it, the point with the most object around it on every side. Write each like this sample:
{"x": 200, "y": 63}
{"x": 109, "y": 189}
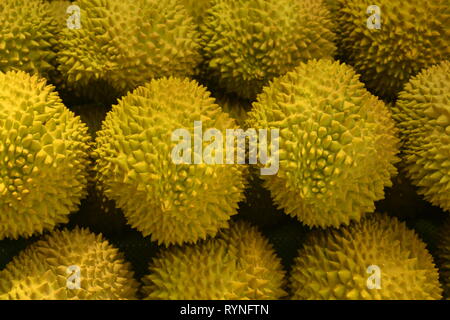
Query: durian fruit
{"x": 239, "y": 264}
{"x": 378, "y": 258}
{"x": 124, "y": 43}
{"x": 48, "y": 270}
{"x": 337, "y": 143}
{"x": 27, "y": 37}
{"x": 197, "y": 8}
{"x": 333, "y": 5}
{"x": 44, "y": 152}
{"x": 247, "y": 43}
{"x": 59, "y": 10}
{"x": 443, "y": 256}
{"x": 175, "y": 203}
{"x": 423, "y": 115}
{"x": 413, "y": 35}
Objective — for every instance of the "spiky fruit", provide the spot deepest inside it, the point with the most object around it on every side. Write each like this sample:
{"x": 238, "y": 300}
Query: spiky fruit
{"x": 239, "y": 264}
{"x": 175, "y": 203}
{"x": 249, "y": 42}
{"x": 423, "y": 115}
{"x": 376, "y": 258}
{"x": 197, "y": 8}
{"x": 27, "y": 39}
{"x": 333, "y": 5}
{"x": 443, "y": 256}
{"x": 337, "y": 145}
{"x": 59, "y": 10}
{"x": 413, "y": 35}
{"x": 43, "y": 156}
{"x": 47, "y": 270}
{"x": 124, "y": 43}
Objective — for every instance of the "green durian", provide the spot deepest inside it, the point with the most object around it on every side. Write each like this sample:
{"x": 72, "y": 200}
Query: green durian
{"x": 174, "y": 203}
{"x": 27, "y": 37}
{"x": 342, "y": 264}
{"x": 44, "y": 151}
{"x": 413, "y": 35}
{"x": 337, "y": 144}
{"x": 423, "y": 115}
{"x": 247, "y": 43}
{"x": 239, "y": 264}
{"x": 124, "y": 43}
{"x": 46, "y": 270}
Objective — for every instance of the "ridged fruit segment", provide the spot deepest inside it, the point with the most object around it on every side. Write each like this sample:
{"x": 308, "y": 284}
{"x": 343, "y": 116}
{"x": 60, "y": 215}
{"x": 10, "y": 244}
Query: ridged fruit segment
{"x": 44, "y": 156}
{"x": 337, "y": 144}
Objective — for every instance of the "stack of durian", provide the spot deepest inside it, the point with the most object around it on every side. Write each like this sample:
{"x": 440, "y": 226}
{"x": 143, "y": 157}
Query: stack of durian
{"x": 92, "y": 205}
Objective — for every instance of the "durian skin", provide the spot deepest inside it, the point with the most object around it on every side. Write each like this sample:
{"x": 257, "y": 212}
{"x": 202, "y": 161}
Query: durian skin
{"x": 337, "y": 145}
{"x": 124, "y": 43}
{"x": 443, "y": 256}
{"x": 247, "y": 43}
{"x": 333, "y": 264}
{"x": 43, "y": 157}
{"x": 59, "y": 9}
{"x": 238, "y": 264}
{"x": 27, "y": 37}
{"x": 172, "y": 203}
{"x": 197, "y": 9}
{"x": 40, "y": 271}
{"x": 422, "y": 112}
{"x": 413, "y": 36}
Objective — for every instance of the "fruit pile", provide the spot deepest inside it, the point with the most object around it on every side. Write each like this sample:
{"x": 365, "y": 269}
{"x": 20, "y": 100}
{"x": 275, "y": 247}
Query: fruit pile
{"x": 99, "y": 199}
